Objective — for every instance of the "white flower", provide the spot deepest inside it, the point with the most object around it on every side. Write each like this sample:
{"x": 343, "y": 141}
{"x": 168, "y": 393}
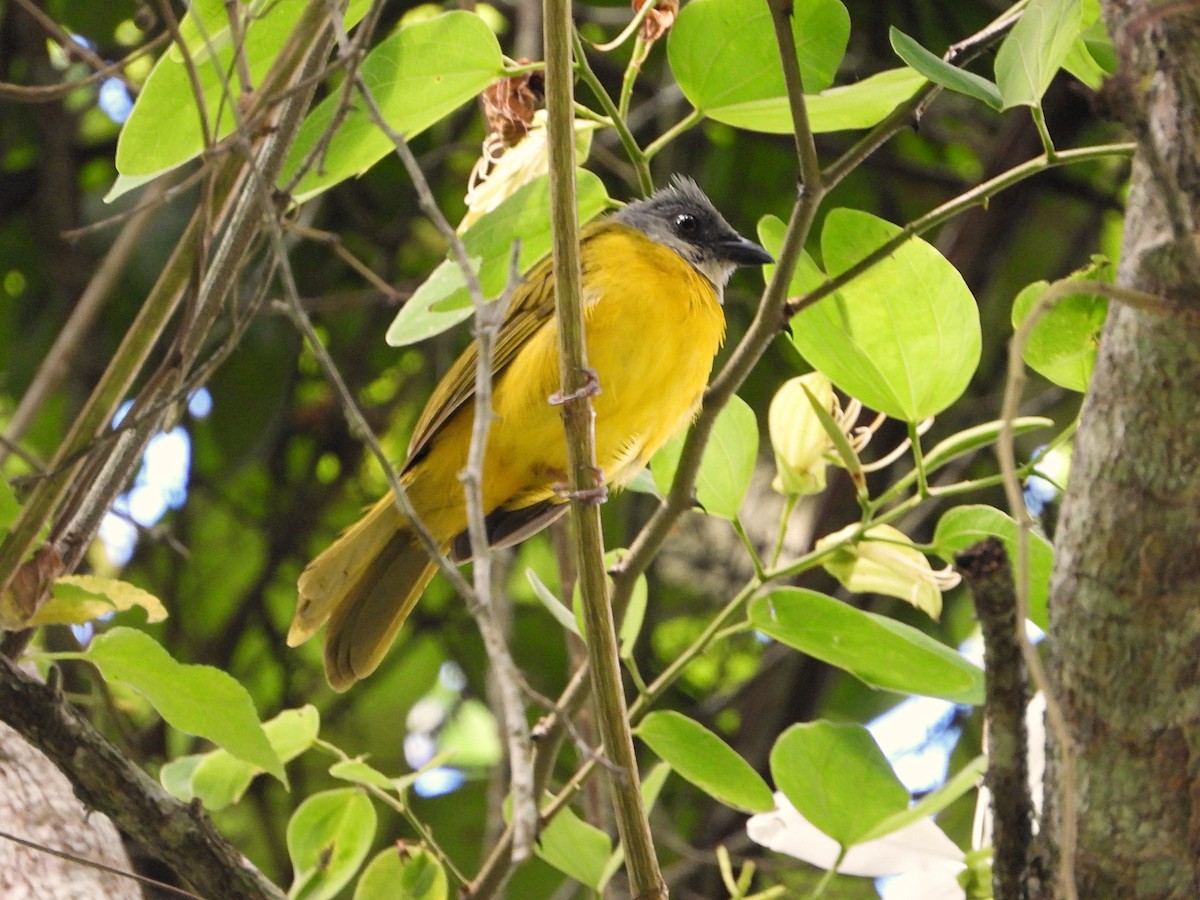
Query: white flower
{"x": 884, "y": 561}
{"x": 797, "y": 435}
{"x": 501, "y": 171}
{"x": 920, "y": 850}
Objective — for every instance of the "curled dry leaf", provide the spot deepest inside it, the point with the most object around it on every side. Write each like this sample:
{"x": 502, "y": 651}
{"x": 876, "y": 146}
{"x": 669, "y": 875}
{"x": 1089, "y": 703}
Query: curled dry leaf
{"x": 509, "y": 105}
{"x": 659, "y": 20}
{"x": 30, "y": 588}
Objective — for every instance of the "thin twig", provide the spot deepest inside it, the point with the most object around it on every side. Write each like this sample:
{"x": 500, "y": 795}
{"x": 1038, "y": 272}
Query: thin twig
{"x": 338, "y": 246}
{"x": 977, "y": 196}
{"x": 785, "y": 39}
{"x": 67, "y": 41}
{"x": 49, "y": 93}
{"x": 489, "y": 317}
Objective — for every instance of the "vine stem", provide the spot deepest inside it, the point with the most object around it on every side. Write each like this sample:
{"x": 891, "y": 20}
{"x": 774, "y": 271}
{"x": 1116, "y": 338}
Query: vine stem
{"x": 586, "y": 482}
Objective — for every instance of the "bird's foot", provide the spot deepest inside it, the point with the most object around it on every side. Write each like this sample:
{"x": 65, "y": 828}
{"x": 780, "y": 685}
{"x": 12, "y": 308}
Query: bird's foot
{"x": 595, "y": 495}
{"x": 589, "y": 388}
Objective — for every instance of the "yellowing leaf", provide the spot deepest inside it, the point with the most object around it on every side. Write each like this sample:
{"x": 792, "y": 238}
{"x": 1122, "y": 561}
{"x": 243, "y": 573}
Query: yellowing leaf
{"x": 76, "y": 599}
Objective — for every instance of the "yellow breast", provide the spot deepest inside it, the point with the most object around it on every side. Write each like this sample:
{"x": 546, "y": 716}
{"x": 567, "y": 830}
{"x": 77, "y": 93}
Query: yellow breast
{"x": 653, "y": 325}
{"x": 652, "y": 333}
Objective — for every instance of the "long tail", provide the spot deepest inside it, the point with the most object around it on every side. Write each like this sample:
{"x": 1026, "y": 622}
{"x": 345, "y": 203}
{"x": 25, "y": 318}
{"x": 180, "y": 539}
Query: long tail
{"x": 364, "y": 584}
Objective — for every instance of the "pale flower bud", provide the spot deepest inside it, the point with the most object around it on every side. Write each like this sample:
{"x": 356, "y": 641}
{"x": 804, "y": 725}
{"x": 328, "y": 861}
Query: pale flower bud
{"x": 799, "y": 440}
{"x": 884, "y": 561}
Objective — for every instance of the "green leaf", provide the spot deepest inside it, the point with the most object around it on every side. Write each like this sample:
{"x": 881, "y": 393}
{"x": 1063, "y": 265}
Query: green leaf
{"x": 358, "y": 772}
{"x": 933, "y": 803}
{"x": 728, "y": 463}
{"x": 976, "y": 437}
{"x": 643, "y": 483}
{"x": 1063, "y": 344}
{"x": 1035, "y": 49}
{"x": 428, "y": 312}
{"x": 941, "y": 72}
{"x": 1092, "y": 57}
{"x": 837, "y": 777}
{"x": 403, "y": 873}
{"x": 806, "y": 277}
{"x": 635, "y": 612}
{"x": 705, "y": 760}
{"x": 219, "y": 780}
{"x": 652, "y": 784}
{"x": 419, "y": 75}
{"x": 164, "y": 127}
{"x": 199, "y": 700}
{"x": 725, "y": 58}
{"x": 963, "y": 526}
{"x": 328, "y": 838}
{"x": 859, "y": 105}
{"x": 556, "y": 607}
{"x": 176, "y": 776}
{"x": 442, "y": 300}
{"x": 903, "y": 337}
{"x": 882, "y": 652}
{"x": 575, "y": 848}
{"x": 863, "y": 104}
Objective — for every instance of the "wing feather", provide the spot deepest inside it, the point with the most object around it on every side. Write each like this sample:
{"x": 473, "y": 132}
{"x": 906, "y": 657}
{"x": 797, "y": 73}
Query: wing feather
{"x": 532, "y": 307}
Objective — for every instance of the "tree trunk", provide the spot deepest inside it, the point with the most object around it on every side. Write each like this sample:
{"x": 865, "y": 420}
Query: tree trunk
{"x": 1125, "y": 607}
{"x": 37, "y": 803}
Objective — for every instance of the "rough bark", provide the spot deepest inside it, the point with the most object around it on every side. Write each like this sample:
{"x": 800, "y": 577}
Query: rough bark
{"x": 986, "y": 570}
{"x": 37, "y": 804}
{"x": 180, "y": 835}
{"x": 1124, "y": 616}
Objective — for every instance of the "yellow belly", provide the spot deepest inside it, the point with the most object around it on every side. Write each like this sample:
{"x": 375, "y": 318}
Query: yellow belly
{"x": 653, "y": 326}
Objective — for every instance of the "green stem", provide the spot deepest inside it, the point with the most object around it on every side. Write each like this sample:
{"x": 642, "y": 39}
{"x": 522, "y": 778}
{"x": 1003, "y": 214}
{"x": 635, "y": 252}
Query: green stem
{"x": 914, "y": 438}
{"x": 585, "y": 480}
{"x": 641, "y": 163}
{"x": 512, "y": 67}
{"x": 750, "y": 548}
{"x": 789, "y": 505}
{"x": 829, "y": 873}
{"x": 977, "y": 196}
{"x": 1039, "y": 120}
{"x": 636, "y": 58}
{"x": 695, "y": 117}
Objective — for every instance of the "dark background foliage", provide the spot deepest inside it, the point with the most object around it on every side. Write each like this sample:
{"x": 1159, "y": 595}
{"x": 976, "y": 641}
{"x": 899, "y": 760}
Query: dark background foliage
{"x": 274, "y": 473}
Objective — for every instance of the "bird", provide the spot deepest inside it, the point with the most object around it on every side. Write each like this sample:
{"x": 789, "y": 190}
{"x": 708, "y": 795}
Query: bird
{"x": 653, "y": 278}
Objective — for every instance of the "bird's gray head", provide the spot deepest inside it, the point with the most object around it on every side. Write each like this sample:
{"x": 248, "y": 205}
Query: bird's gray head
{"x": 681, "y": 217}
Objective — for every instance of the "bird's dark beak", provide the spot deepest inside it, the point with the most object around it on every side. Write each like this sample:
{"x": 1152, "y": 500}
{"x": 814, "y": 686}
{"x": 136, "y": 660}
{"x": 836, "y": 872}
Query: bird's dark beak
{"x": 744, "y": 252}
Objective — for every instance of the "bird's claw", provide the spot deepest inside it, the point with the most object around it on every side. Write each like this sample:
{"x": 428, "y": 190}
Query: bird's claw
{"x": 589, "y": 388}
{"x": 595, "y": 495}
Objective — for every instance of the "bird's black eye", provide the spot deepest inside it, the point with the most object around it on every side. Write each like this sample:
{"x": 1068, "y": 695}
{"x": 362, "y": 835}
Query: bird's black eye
{"x": 685, "y": 223}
